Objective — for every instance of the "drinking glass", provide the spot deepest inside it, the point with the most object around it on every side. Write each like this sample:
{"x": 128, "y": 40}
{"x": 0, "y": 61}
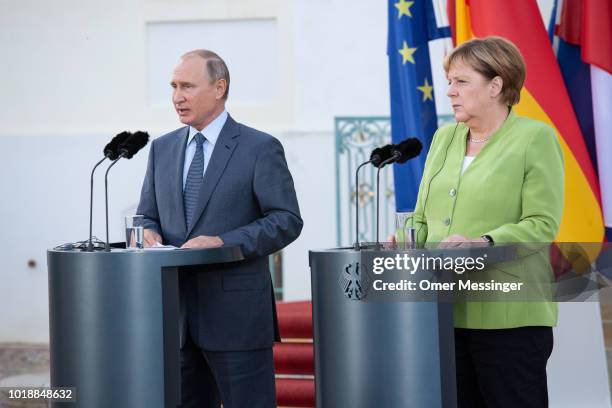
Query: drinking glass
{"x": 134, "y": 231}
{"x": 404, "y": 230}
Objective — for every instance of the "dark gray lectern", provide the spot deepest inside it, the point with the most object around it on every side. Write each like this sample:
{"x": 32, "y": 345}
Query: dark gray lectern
{"x": 114, "y": 324}
{"x": 377, "y": 354}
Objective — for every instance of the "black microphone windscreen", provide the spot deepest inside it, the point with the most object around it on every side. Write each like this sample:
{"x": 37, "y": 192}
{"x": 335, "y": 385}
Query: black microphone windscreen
{"x": 408, "y": 149}
{"x": 381, "y": 154}
{"x": 111, "y": 150}
{"x": 133, "y": 144}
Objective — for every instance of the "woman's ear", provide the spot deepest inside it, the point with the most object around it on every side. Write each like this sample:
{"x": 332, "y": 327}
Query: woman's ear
{"x": 496, "y": 86}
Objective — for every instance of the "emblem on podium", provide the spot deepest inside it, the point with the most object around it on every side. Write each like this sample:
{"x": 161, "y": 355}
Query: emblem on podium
{"x": 354, "y": 281}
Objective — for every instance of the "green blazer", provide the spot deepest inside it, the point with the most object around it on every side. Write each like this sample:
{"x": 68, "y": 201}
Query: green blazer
{"x": 512, "y": 191}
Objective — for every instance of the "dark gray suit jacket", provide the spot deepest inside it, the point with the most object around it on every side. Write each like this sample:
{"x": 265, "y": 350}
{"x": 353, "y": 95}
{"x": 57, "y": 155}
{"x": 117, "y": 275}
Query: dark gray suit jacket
{"x": 247, "y": 198}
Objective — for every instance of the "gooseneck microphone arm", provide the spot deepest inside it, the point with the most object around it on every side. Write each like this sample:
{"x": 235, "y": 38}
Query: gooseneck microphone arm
{"x": 356, "y": 245}
{"x": 126, "y": 150}
{"x": 389, "y": 160}
{"x": 110, "y": 152}
{"x": 107, "y": 247}
{"x": 91, "y": 185}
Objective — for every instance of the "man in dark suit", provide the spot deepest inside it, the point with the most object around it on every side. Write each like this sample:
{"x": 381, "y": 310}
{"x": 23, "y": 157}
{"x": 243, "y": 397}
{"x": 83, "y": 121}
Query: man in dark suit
{"x": 211, "y": 183}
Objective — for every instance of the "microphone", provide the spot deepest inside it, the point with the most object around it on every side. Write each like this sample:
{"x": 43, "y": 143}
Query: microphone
{"x": 400, "y": 153}
{"x": 377, "y": 156}
{"x": 110, "y": 152}
{"x": 127, "y": 149}
{"x": 406, "y": 150}
{"x": 111, "y": 149}
{"x": 133, "y": 144}
{"x": 381, "y": 154}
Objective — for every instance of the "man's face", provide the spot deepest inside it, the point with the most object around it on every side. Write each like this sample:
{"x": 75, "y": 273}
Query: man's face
{"x": 196, "y": 100}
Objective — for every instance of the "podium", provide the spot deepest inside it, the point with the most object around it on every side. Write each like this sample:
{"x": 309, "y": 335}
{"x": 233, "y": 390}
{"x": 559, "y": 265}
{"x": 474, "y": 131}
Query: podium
{"x": 377, "y": 354}
{"x": 114, "y": 324}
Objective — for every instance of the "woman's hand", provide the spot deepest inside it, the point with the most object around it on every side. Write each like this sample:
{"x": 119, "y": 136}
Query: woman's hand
{"x": 391, "y": 242}
{"x": 456, "y": 240}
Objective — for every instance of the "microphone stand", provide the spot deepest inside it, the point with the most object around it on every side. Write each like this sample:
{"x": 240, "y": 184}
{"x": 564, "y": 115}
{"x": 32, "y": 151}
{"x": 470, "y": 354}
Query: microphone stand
{"x": 389, "y": 160}
{"x": 356, "y": 245}
{"x": 107, "y": 247}
{"x": 90, "y": 247}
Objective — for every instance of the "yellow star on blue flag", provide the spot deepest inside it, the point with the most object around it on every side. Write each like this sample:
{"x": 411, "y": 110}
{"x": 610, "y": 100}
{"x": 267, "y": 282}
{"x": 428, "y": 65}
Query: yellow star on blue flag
{"x": 411, "y": 24}
{"x": 427, "y": 91}
{"x": 403, "y": 8}
{"x": 407, "y": 53}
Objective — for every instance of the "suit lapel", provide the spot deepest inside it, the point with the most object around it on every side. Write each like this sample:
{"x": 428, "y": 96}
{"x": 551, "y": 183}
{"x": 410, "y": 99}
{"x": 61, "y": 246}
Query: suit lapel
{"x": 177, "y": 193}
{"x": 226, "y": 143}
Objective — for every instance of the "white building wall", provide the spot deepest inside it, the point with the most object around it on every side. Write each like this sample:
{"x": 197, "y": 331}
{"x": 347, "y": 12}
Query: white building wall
{"x": 74, "y": 73}
{"x": 77, "y": 72}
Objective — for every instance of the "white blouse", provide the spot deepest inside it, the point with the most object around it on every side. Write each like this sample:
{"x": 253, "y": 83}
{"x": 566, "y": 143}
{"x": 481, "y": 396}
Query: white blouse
{"x": 466, "y": 162}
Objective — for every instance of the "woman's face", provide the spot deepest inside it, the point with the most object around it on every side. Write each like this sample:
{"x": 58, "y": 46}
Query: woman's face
{"x": 470, "y": 93}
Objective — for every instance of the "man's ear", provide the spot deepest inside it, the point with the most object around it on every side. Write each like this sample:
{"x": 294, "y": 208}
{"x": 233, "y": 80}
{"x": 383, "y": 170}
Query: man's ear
{"x": 220, "y": 87}
{"x": 496, "y": 86}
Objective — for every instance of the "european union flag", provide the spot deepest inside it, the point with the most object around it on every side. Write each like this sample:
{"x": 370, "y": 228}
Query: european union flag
{"x": 412, "y": 24}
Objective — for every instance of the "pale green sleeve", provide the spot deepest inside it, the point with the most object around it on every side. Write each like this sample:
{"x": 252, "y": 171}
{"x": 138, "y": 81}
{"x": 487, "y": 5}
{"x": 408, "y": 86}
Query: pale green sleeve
{"x": 542, "y": 193}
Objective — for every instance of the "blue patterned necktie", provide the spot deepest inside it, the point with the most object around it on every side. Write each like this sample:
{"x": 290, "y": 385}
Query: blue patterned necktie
{"x": 194, "y": 180}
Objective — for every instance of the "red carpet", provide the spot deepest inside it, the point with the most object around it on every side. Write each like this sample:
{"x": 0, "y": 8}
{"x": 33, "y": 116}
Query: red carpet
{"x": 295, "y": 392}
{"x": 293, "y": 358}
{"x": 295, "y": 319}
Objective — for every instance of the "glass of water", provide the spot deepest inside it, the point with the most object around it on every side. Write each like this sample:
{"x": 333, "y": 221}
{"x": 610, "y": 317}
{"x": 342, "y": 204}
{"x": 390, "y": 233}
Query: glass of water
{"x": 404, "y": 230}
{"x": 134, "y": 231}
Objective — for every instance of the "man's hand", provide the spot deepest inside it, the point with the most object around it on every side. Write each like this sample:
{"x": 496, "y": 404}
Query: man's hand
{"x": 151, "y": 238}
{"x": 203, "y": 241}
{"x": 456, "y": 240}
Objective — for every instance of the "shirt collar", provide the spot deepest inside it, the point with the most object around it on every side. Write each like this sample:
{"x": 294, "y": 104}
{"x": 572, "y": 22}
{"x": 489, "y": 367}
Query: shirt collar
{"x": 211, "y": 131}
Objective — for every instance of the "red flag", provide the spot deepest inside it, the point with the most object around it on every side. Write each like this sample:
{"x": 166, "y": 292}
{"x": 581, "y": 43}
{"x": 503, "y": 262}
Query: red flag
{"x": 587, "y": 23}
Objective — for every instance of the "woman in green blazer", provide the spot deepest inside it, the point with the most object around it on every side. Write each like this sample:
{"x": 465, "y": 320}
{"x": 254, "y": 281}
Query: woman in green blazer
{"x": 494, "y": 177}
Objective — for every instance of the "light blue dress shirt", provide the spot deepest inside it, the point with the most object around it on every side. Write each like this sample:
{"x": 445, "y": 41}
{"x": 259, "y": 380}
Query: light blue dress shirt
{"x": 211, "y": 133}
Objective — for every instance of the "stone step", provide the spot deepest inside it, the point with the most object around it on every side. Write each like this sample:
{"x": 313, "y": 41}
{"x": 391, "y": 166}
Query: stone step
{"x": 23, "y": 358}
{"x": 606, "y": 318}
{"x": 607, "y": 331}
{"x": 606, "y": 312}
{"x": 35, "y": 380}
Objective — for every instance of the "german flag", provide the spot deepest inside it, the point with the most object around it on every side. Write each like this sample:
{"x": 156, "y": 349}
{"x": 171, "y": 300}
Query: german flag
{"x": 544, "y": 97}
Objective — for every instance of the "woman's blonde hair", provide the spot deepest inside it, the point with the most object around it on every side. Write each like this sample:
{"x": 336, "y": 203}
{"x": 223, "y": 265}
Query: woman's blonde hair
{"x": 491, "y": 57}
